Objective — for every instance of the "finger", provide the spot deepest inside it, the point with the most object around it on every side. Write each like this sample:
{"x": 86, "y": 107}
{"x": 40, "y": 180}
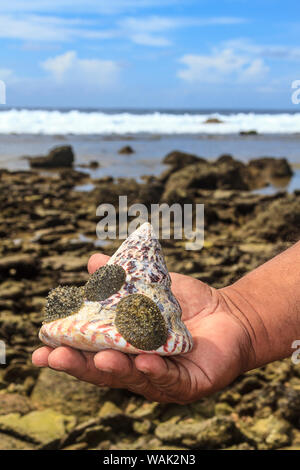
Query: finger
{"x": 122, "y": 368}
{"x": 68, "y": 360}
{"x": 96, "y": 261}
{"x": 79, "y": 364}
{"x": 113, "y": 362}
{"x": 40, "y": 356}
{"x": 169, "y": 376}
{"x": 161, "y": 372}
{"x": 124, "y": 374}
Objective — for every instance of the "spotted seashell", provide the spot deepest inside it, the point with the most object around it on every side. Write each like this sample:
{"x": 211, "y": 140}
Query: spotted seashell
{"x": 126, "y": 305}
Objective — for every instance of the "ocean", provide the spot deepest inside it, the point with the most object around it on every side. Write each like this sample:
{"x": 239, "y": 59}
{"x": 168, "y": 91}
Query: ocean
{"x": 99, "y": 134}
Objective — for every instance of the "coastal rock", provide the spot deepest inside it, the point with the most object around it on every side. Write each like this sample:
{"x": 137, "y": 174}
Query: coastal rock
{"x": 177, "y": 160}
{"x": 66, "y": 394}
{"x": 14, "y": 403}
{"x": 212, "y": 433}
{"x": 267, "y": 433}
{"x": 93, "y": 164}
{"x": 213, "y": 121}
{"x": 59, "y": 157}
{"x": 270, "y": 167}
{"x": 276, "y": 220}
{"x": 127, "y": 150}
{"x": 229, "y": 174}
{"x": 243, "y": 229}
{"x": 21, "y": 265}
{"x": 250, "y": 132}
{"x": 37, "y": 426}
{"x": 8, "y": 442}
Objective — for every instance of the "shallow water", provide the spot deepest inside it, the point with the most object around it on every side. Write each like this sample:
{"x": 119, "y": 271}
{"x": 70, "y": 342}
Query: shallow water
{"x": 149, "y": 151}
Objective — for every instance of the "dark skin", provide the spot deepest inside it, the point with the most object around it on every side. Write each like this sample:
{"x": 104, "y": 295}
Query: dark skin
{"x": 245, "y": 325}
{"x": 219, "y": 355}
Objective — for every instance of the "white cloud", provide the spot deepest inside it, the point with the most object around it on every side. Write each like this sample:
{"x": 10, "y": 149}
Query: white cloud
{"x": 78, "y": 6}
{"x": 34, "y": 23}
{"x": 255, "y": 71}
{"x": 146, "y": 39}
{"x": 69, "y": 68}
{"x": 148, "y": 30}
{"x": 280, "y": 52}
{"x": 42, "y": 28}
{"x": 222, "y": 65}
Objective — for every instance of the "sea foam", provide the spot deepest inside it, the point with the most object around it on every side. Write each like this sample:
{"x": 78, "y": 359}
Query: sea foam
{"x": 25, "y": 121}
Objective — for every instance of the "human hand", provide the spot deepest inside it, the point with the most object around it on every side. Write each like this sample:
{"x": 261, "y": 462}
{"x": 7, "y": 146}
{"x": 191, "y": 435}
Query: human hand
{"x": 222, "y": 350}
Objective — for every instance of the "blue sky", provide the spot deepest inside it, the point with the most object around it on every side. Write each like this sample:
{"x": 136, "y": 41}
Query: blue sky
{"x": 150, "y": 53}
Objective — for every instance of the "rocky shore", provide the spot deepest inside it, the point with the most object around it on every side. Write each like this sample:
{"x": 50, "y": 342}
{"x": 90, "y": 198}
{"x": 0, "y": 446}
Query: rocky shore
{"x": 47, "y": 227}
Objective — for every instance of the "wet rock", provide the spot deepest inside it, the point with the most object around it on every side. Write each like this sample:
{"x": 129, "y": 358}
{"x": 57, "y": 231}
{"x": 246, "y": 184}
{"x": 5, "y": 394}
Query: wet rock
{"x": 67, "y": 394}
{"x": 111, "y": 415}
{"x": 209, "y": 434}
{"x": 142, "y": 427}
{"x": 37, "y": 426}
{"x": 41, "y": 214}
{"x": 94, "y": 435}
{"x": 140, "y": 443}
{"x": 14, "y": 403}
{"x": 247, "y": 384}
{"x": 289, "y": 405}
{"x": 148, "y": 410}
{"x": 251, "y": 132}
{"x": 126, "y": 150}
{"x": 267, "y": 433}
{"x": 109, "y": 411}
{"x": 11, "y": 289}
{"x": 271, "y": 167}
{"x": 243, "y": 446}
{"x": 58, "y": 157}
{"x": 213, "y": 121}
{"x": 65, "y": 263}
{"x": 223, "y": 409}
{"x": 178, "y": 160}
{"x": 8, "y": 442}
{"x": 218, "y": 175}
{"x": 278, "y": 220}
{"x": 93, "y": 164}
{"x": 17, "y": 373}
{"x": 19, "y": 265}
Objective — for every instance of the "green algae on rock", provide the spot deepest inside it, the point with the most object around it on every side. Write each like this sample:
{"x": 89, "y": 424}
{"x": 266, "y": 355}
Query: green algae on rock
{"x": 104, "y": 282}
{"x": 62, "y": 302}
{"x": 140, "y": 322}
{"x": 37, "y": 426}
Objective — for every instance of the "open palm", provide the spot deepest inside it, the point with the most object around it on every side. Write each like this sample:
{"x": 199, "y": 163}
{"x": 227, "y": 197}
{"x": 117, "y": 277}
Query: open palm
{"x": 220, "y": 352}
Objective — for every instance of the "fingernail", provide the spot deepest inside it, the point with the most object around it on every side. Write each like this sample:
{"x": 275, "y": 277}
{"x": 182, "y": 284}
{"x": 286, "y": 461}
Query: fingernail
{"x": 145, "y": 371}
{"x": 107, "y": 370}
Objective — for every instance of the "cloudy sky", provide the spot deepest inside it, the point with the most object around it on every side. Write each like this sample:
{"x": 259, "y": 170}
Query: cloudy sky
{"x": 150, "y": 53}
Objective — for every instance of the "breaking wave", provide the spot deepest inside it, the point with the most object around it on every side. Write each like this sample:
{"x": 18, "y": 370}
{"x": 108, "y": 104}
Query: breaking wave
{"x": 25, "y": 121}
